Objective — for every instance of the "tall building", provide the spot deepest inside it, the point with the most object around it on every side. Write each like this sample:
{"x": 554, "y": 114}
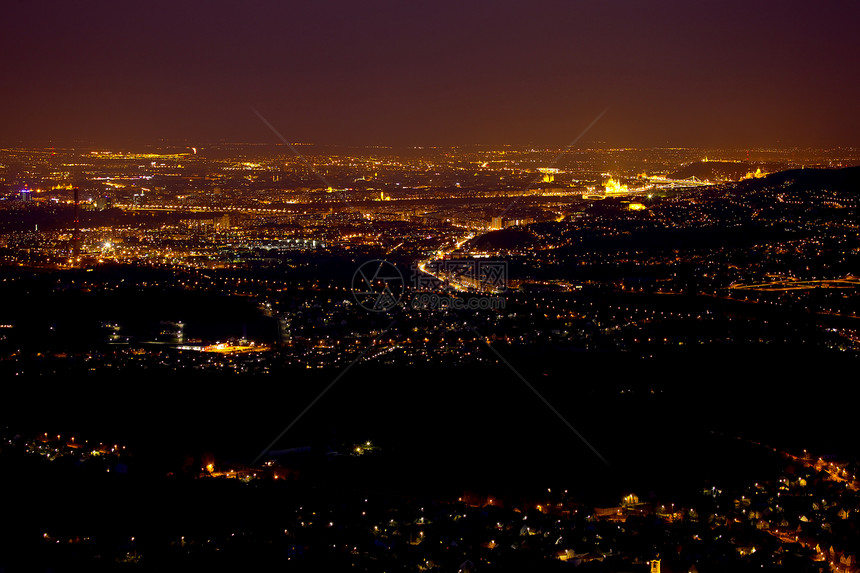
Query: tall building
{"x": 225, "y": 221}
{"x": 104, "y": 202}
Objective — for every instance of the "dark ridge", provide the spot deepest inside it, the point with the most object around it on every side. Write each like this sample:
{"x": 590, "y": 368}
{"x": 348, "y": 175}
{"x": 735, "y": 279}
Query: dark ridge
{"x": 505, "y": 239}
{"x": 844, "y": 179}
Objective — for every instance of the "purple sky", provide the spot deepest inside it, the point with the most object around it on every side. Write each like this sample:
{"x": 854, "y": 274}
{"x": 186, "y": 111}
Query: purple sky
{"x": 680, "y": 73}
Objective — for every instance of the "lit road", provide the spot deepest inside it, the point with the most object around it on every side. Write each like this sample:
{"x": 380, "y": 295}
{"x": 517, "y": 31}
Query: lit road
{"x": 796, "y": 284}
{"x": 442, "y": 254}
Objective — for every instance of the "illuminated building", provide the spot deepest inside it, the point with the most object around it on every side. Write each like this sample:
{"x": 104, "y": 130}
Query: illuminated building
{"x": 104, "y": 202}
{"x": 520, "y": 222}
{"x": 224, "y": 222}
{"x": 613, "y": 187}
{"x": 757, "y": 175}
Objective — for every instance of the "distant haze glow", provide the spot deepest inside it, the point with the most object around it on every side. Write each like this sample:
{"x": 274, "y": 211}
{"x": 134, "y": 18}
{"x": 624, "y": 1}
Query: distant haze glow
{"x": 679, "y": 73}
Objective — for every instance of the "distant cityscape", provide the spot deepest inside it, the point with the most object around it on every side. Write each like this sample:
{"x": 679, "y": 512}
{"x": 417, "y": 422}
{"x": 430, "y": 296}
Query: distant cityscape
{"x": 598, "y": 252}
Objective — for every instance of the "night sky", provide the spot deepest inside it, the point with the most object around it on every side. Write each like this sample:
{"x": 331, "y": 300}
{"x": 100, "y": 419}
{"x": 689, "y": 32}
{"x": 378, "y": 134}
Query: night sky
{"x": 685, "y": 73}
